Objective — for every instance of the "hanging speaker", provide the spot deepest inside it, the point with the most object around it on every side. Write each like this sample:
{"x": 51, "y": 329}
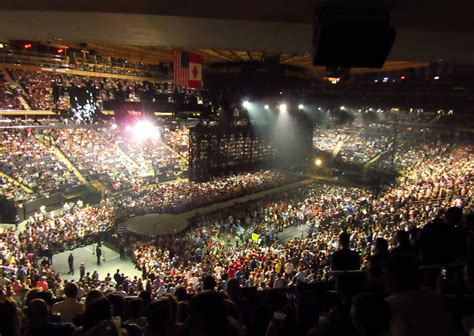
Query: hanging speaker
{"x": 352, "y": 38}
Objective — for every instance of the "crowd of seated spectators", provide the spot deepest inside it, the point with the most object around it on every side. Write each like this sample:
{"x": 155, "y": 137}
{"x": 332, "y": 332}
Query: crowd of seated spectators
{"x": 165, "y": 156}
{"x": 39, "y": 87}
{"x": 374, "y": 144}
{"x": 33, "y": 164}
{"x": 9, "y": 97}
{"x": 75, "y": 225}
{"x": 95, "y": 156}
{"x": 357, "y": 146}
{"x": 179, "y": 196}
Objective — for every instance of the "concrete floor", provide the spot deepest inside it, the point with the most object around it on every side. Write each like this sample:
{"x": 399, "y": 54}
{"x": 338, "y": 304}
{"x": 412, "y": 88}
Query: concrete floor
{"x": 84, "y": 254}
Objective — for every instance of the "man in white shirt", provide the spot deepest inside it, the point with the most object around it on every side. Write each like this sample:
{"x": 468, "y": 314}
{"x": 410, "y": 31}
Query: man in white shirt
{"x": 70, "y": 307}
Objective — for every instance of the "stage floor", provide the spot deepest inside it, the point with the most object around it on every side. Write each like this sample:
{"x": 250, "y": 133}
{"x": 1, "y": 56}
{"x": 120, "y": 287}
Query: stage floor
{"x": 156, "y": 224}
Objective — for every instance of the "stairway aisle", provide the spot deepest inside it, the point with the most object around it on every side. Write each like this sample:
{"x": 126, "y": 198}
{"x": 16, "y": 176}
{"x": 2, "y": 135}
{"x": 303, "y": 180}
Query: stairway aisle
{"x": 11, "y": 81}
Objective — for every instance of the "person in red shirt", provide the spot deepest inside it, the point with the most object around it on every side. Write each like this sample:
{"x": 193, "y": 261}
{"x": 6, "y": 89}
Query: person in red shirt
{"x": 42, "y": 284}
{"x": 231, "y": 272}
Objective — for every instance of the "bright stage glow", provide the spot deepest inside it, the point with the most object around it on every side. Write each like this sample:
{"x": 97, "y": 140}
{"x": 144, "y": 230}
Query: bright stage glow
{"x": 113, "y": 126}
{"x": 246, "y": 104}
{"x": 300, "y": 106}
{"x": 266, "y": 107}
{"x": 318, "y": 162}
{"x": 144, "y": 130}
{"x": 283, "y": 107}
{"x": 342, "y": 108}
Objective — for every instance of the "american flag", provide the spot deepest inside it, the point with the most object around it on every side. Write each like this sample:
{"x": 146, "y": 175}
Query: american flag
{"x": 180, "y": 68}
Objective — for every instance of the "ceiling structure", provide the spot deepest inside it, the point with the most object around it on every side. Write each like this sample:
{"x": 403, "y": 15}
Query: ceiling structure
{"x": 156, "y": 55}
{"x": 223, "y": 31}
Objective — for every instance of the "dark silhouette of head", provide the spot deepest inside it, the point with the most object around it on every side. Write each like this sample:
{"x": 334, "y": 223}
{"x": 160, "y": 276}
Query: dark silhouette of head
{"x": 344, "y": 240}
{"x": 370, "y": 314}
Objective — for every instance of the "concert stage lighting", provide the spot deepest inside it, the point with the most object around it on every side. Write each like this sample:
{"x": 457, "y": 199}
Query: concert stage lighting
{"x": 300, "y": 107}
{"x": 318, "y": 162}
{"x": 246, "y": 104}
{"x": 283, "y": 107}
{"x": 266, "y": 107}
{"x": 144, "y": 130}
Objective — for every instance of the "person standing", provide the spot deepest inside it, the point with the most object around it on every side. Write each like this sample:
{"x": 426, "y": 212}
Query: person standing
{"x": 98, "y": 253}
{"x": 345, "y": 259}
{"x": 70, "y": 262}
{"x": 82, "y": 271}
{"x": 122, "y": 250}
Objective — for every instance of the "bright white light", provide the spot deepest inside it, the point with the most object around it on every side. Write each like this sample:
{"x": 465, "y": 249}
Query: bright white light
{"x": 283, "y": 107}
{"x": 144, "y": 130}
{"x": 376, "y": 81}
{"x": 300, "y": 106}
{"x": 436, "y": 77}
{"x": 385, "y": 79}
{"x": 113, "y": 126}
{"x": 266, "y": 107}
{"x": 342, "y": 108}
{"x": 128, "y": 128}
{"x": 318, "y": 162}
{"x": 319, "y": 108}
{"x": 246, "y": 104}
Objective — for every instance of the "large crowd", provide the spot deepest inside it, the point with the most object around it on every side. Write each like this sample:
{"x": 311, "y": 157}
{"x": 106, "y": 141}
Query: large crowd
{"x": 33, "y": 164}
{"x": 228, "y": 273}
{"x": 51, "y": 90}
{"x": 180, "y": 196}
{"x": 37, "y": 160}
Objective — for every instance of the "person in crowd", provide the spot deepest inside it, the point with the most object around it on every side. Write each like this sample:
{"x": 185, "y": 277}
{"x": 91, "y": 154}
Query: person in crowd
{"x": 370, "y": 315}
{"x": 98, "y": 252}
{"x": 414, "y": 311}
{"x": 134, "y": 309}
{"x": 162, "y": 318}
{"x": 70, "y": 306}
{"x": 38, "y": 321}
{"x": 345, "y": 259}
{"x": 70, "y": 262}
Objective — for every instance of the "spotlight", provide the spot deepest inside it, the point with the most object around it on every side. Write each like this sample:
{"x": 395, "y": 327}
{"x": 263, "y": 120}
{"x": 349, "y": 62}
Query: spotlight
{"x": 342, "y": 108}
{"x": 318, "y": 162}
{"x": 144, "y": 130}
{"x": 246, "y": 104}
{"x": 27, "y": 46}
{"x": 300, "y": 106}
{"x": 266, "y": 107}
{"x": 113, "y": 126}
{"x": 283, "y": 107}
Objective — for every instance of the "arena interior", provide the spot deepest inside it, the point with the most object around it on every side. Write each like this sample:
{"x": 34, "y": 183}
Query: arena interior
{"x": 249, "y": 169}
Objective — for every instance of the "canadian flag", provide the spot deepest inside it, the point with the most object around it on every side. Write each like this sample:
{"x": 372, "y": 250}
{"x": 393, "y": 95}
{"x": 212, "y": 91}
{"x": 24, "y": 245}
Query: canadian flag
{"x": 195, "y": 71}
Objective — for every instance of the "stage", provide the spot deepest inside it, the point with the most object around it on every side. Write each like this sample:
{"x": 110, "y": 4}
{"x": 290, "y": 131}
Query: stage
{"x": 156, "y": 224}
